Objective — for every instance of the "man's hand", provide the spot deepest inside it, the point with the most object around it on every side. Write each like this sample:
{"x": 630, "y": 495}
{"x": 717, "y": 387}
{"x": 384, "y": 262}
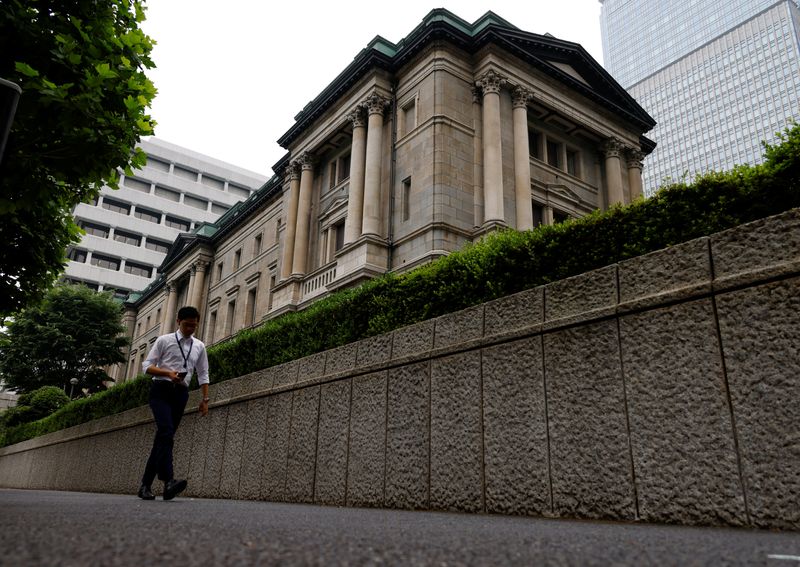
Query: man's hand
{"x": 203, "y": 407}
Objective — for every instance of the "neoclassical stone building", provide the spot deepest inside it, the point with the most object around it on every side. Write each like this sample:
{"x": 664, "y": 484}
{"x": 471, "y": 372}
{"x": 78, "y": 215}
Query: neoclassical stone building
{"x": 415, "y": 149}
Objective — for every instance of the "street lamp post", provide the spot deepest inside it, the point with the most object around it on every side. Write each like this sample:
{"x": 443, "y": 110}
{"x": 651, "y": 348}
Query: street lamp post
{"x": 72, "y": 381}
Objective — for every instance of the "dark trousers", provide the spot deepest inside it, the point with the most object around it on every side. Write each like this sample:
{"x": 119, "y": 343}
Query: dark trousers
{"x": 167, "y": 401}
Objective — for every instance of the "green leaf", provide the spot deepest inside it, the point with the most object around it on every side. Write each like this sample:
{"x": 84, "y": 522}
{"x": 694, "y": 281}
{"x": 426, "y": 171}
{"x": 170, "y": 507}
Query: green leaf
{"x": 26, "y": 69}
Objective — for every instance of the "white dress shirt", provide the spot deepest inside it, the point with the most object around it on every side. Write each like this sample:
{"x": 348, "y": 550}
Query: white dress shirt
{"x": 166, "y": 354}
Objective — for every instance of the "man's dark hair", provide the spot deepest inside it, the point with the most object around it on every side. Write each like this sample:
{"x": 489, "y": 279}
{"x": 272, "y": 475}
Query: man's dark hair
{"x": 188, "y": 312}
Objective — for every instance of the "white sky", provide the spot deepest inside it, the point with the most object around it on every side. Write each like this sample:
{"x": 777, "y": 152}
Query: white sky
{"x": 231, "y": 75}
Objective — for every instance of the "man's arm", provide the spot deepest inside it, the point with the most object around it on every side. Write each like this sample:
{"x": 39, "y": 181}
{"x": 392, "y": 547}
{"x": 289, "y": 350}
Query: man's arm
{"x": 202, "y": 378}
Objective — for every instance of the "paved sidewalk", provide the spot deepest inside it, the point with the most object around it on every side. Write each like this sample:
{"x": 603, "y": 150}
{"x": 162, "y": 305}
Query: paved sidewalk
{"x": 81, "y": 529}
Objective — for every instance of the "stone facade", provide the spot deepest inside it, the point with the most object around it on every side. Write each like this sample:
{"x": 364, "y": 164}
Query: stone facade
{"x": 413, "y": 151}
{"x": 658, "y": 389}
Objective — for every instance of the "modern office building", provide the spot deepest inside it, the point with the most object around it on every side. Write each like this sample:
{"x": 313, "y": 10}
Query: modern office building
{"x": 718, "y": 77}
{"x": 414, "y": 150}
{"x": 130, "y": 230}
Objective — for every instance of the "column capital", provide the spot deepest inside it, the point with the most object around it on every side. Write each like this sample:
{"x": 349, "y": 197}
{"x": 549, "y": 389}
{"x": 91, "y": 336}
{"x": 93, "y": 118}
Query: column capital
{"x": 357, "y": 117}
{"x": 200, "y": 266}
{"x": 306, "y": 161}
{"x": 612, "y": 148}
{"x": 292, "y": 170}
{"x": 634, "y": 158}
{"x": 520, "y": 96}
{"x": 491, "y": 82}
{"x": 170, "y": 287}
{"x": 375, "y": 103}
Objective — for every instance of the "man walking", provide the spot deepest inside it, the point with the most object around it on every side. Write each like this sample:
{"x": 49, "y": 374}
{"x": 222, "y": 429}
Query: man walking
{"x": 171, "y": 362}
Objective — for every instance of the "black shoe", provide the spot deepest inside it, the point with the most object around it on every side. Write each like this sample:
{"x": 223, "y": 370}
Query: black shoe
{"x": 145, "y": 493}
{"x": 173, "y": 487}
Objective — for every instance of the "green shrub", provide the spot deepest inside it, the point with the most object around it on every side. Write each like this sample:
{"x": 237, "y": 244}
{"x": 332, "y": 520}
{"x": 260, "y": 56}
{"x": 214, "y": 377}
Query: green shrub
{"x": 500, "y": 264}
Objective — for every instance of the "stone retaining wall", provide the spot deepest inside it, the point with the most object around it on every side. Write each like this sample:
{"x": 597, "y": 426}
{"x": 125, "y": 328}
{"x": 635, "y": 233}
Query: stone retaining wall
{"x": 665, "y": 388}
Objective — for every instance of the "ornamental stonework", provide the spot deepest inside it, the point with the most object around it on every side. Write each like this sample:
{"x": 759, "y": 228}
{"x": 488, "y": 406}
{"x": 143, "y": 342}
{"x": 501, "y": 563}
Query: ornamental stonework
{"x": 613, "y": 148}
{"x": 491, "y": 82}
{"x": 357, "y": 118}
{"x": 375, "y": 103}
{"x": 520, "y": 96}
{"x": 634, "y": 159}
{"x": 306, "y": 160}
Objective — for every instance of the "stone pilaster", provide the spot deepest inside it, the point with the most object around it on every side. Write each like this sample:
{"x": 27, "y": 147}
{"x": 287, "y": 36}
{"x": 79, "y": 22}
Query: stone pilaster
{"x": 375, "y": 106}
{"x": 491, "y": 84}
{"x": 358, "y": 157}
{"x": 300, "y": 259}
{"x": 522, "y": 161}
{"x": 171, "y": 302}
{"x": 293, "y": 171}
{"x": 634, "y": 160}
{"x": 612, "y": 151}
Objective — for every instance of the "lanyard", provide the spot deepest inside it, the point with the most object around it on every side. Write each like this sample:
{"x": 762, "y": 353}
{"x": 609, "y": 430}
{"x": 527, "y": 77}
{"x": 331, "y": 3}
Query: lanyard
{"x": 185, "y": 356}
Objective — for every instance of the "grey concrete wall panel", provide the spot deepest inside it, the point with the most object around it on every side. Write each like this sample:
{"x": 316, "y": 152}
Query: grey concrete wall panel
{"x": 763, "y": 248}
{"x": 182, "y": 447}
{"x": 217, "y": 392}
{"x": 367, "y": 458}
{"x": 334, "y": 424}
{"x": 515, "y": 429}
{"x": 374, "y": 350}
{"x": 276, "y": 448}
{"x": 120, "y": 440}
{"x": 408, "y": 436}
{"x": 580, "y": 298}
{"x": 590, "y": 458}
{"x": 285, "y": 374}
{"x": 233, "y": 450}
{"x": 413, "y": 339}
{"x": 459, "y": 327}
{"x": 681, "y": 432}
{"x": 201, "y": 430}
{"x": 456, "y": 433}
{"x": 341, "y": 359}
{"x": 102, "y": 464}
{"x": 519, "y": 311}
{"x": 215, "y": 450}
{"x": 255, "y": 435}
{"x": 311, "y": 367}
{"x": 760, "y": 329}
{"x": 677, "y": 272}
{"x": 301, "y": 466}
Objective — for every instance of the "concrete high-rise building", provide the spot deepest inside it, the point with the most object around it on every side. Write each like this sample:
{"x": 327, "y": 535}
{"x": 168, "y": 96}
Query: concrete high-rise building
{"x": 718, "y": 77}
{"x": 130, "y": 230}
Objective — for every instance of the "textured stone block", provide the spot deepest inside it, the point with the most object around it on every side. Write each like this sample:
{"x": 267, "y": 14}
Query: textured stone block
{"x": 413, "y": 339}
{"x": 760, "y": 330}
{"x": 456, "y": 434}
{"x": 334, "y": 422}
{"x": 367, "y": 457}
{"x": 590, "y": 459}
{"x": 212, "y": 472}
{"x": 233, "y": 450}
{"x": 311, "y": 367}
{"x": 218, "y": 392}
{"x": 677, "y": 272}
{"x": 255, "y": 434}
{"x": 374, "y": 350}
{"x": 200, "y": 428}
{"x": 511, "y": 313}
{"x": 182, "y": 449}
{"x": 276, "y": 448}
{"x": 341, "y": 359}
{"x": 303, "y": 445}
{"x": 581, "y": 298}
{"x": 763, "y": 248}
{"x": 681, "y": 433}
{"x": 284, "y": 374}
{"x": 515, "y": 429}
{"x": 459, "y": 327}
{"x": 408, "y": 436}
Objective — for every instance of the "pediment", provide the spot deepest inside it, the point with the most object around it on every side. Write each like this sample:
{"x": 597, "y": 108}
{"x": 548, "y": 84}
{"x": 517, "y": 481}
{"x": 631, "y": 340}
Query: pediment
{"x": 569, "y": 70}
{"x": 564, "y": 192}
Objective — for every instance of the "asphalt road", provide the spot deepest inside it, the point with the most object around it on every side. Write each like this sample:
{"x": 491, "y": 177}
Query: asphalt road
{"x": 72, "y": 528}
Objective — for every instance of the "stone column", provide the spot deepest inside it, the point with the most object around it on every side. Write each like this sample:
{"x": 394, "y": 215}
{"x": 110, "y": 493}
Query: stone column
{"x": 634, "y": 162}
{"x": 196, "y": 297}
{"x": 291, "y": 220}
{"x": 168, "y": 323}
{"x": 522, "y": 159}
{"x": 612, "y": 150}
{"x": 358, "y": 156}
{"x": 190, "y": 291}
{"x": 491, "y": 83}
{"x": 477, "y": 158}
{"x": 300, "y": 258}
{"x": 375, "y": 105}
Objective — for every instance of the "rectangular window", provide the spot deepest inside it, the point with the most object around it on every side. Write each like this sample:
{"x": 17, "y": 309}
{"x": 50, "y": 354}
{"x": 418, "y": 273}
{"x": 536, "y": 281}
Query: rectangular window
{"x": 168, "y": 194}
{"x": 538, "y": 215}
{"x": 271, "y": 285}
{"x": 344, "y": 169}
{"x": 212, "y": 182}
{"x": 229, "y": 320}
{"x": 212, "y": 325}
{"x": 116, "y": 206}
{"x": 250, "y": 314}
{"x": 339, "y": 236}
{"x": 237, "y": 259}
{"x": 184, "y": 173}
{"x": 219, "y": 271}
{"x": 553, "y": 153}
{"x": 409, "y": 117}
{"x": 277, "y": 230}
{"x": 559, "y": 216}
{"x": 157, "y": 245}
{"x": 218, "y": 209}
{"x": 138, "y": 269}
{"x": 158, "y": 164}
{"x": 77, "y": 255}
{"x": 127, "y": 237}
{"x": 257, "y": 245}
{"x": 195, "y": 202}
{"x": 238, "y": 191}
{"x": 535, "y": 144}
{"x": 332, "y": 174}
{"x": 97, "y": 230}
{"x": 406, "y": 198}
{"x": 107, "y": 262}
{"x": 143, "y": 186}
{"x": 572, "y": 162}
{"x": 179, "y": 224}
{"x": 150, "y": 216}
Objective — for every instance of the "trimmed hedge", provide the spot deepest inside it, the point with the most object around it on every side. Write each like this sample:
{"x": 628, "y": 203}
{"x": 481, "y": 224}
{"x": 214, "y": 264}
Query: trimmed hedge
{"x": 500, "y": 264}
